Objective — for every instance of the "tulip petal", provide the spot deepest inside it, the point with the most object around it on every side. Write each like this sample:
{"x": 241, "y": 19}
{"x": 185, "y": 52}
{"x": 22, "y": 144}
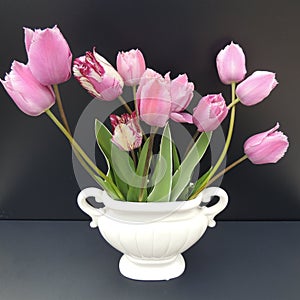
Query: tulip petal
{"x": 127, "y": 133}
{"x": 131, "y": 66}
{"x": 154, "y": 102}
{"x": 181, "y": 93}
{"x": 98, "y": 76}
{"x": 27, "y": 93}
{"x": 256, "y": 87}
{"x": 28, "y": 33}
{"x": 266, "y": 147}
{"x": 231, "y": 64}
{"x": 210, "y": 112}
{"x": 49, "y": 56}
{"x": 182, "y": 117}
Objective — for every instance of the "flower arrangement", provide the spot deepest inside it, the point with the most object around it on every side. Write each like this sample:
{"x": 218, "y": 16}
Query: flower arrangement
{"x": 157, "y": 100}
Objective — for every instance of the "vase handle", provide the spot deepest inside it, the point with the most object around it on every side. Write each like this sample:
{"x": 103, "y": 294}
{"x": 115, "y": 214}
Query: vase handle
{"x": 93, "y": 212}
{"x": 212, "y": 211}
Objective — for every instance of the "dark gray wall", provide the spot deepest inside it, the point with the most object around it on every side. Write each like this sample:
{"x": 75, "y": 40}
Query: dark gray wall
{"x": 36, "y": 174}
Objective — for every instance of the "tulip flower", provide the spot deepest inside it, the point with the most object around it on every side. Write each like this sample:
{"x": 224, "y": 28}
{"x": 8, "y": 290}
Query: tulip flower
{"x": 210, "y": 112}
{"x": 30, "y": 95}
{"x": 154, "y": 98}
{"x": 266, "y": 147}
{"x": 49, "y": 55}
{"x": 131, "y": 66}
{"x": 181, "y": 96}
{"x": 256, "y": 87}
{"x": 231, "y": 64}
{"x": 127, "y": 133}
{"x": 98, "y": 76}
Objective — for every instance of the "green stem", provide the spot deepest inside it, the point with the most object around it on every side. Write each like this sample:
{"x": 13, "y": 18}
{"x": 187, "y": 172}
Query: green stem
{"x": 123, "y": 101}
{"x": 81, "y": 152}
{"x": 237, "y": 100}
{"x": 65, "y": 122}
{"x": 60, "y": 107}
{"x": 226, "y": 146}
{"x": 133, "y": 157}
{"x": 227, "y": 169}
{"x": 147, "y": 163}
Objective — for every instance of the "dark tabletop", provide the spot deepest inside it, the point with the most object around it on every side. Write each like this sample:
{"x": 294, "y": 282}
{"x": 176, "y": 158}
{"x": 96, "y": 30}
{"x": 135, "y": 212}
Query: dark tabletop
{"x": 66, "y": 260}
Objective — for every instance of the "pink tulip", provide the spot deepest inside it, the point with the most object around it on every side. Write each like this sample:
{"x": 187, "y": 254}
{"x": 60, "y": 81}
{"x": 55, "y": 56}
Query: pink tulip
{"x": 127, "y": 133}
{"x": 256, "y": 87}
{"x": 29, "y": 95}
{"x": 210, "y": 112}
{"x": 98, "y": 76}
{"x": 231, "y": 64}
{"x": 131, "y": 66}
{"x": 181, "y": 96}
{"x": 154, "y": 98}
{"x": 49, "y": 55}
{"x": 266, "y": 147}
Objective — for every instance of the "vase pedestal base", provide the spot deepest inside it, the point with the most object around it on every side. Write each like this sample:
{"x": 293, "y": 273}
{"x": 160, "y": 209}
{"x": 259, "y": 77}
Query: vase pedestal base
{"x": 146, "y": 269}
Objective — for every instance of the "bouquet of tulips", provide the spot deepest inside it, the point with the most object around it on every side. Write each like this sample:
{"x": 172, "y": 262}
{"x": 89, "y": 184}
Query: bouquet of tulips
{"x": 156, "y": 102}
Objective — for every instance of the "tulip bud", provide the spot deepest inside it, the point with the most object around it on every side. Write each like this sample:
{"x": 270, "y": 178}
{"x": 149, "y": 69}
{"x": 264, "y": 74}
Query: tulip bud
{"x": 98, "y": 76}
{"x": 181, "y": 96}
{"x": 49, "y": 55}
{"x": 30, "y": 96}
{"x": 210, "y": 112}
{"x": 131, "y": 66}
{"x": 154, "y": 98}
{"x": 231, "y": 64}
{"x": 256, "y": 87}
{"x": 266, "y": 147}
{"x": 127, "y": 133}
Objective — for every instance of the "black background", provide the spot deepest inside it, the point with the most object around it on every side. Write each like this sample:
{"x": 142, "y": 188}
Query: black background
{"x": 36, "y": 174}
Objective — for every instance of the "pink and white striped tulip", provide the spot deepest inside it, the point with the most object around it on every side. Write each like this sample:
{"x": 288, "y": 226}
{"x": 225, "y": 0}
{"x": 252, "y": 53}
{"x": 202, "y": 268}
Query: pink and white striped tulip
{"x": 256, "y": 87}
{"x": 210, "y": 112}
{"x": 154, "y": 98}
{"x": 98, "y": 76}
{"x": 49, "y": 55}
{"x": 30, "y": 95}
{"x": 127, "y": 133}
{"x": 231, "y": 64}
{"x": 131, "y": 66}
{"x": 181, "y": 96}
{"x": 266, "y": 147}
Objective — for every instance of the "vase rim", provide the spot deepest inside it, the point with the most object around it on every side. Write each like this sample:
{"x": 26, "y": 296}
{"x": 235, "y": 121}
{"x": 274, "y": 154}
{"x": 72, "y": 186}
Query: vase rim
{"x": 150, "y": 206}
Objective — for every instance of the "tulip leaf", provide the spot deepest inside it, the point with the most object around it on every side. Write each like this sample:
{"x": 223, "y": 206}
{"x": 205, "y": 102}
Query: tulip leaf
{"x": 201, "y": 180}
{"x": 186, "y": 192}
{"x": 134, "y": 191}
{"x": 107, "y": 187}
{"x": 182, "y": 176}
{"x": 176, "y": 160}
{"x": 123, "y": 167}
{"x": 103, "y": 137}
{"x": 162, "y": 175}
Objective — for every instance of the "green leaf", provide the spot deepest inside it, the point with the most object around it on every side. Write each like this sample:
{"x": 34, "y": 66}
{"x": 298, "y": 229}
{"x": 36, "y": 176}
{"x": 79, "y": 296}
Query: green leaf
{"x": 200, "y": 181}
{"x": 182, "y": 176}
{"x": 162, "y": 176}
{"x": 122, "y": 165}
{"x": 176, "y": 160}
{"x": 185, "y": 193}
{"x": 134, "y": 191}
{"x": 107, "y": 187}
{"x": 103, "y": 137}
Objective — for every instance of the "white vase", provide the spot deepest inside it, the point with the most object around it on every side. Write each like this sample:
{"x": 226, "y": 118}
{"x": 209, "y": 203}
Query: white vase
{"x": 152, "y": 235}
